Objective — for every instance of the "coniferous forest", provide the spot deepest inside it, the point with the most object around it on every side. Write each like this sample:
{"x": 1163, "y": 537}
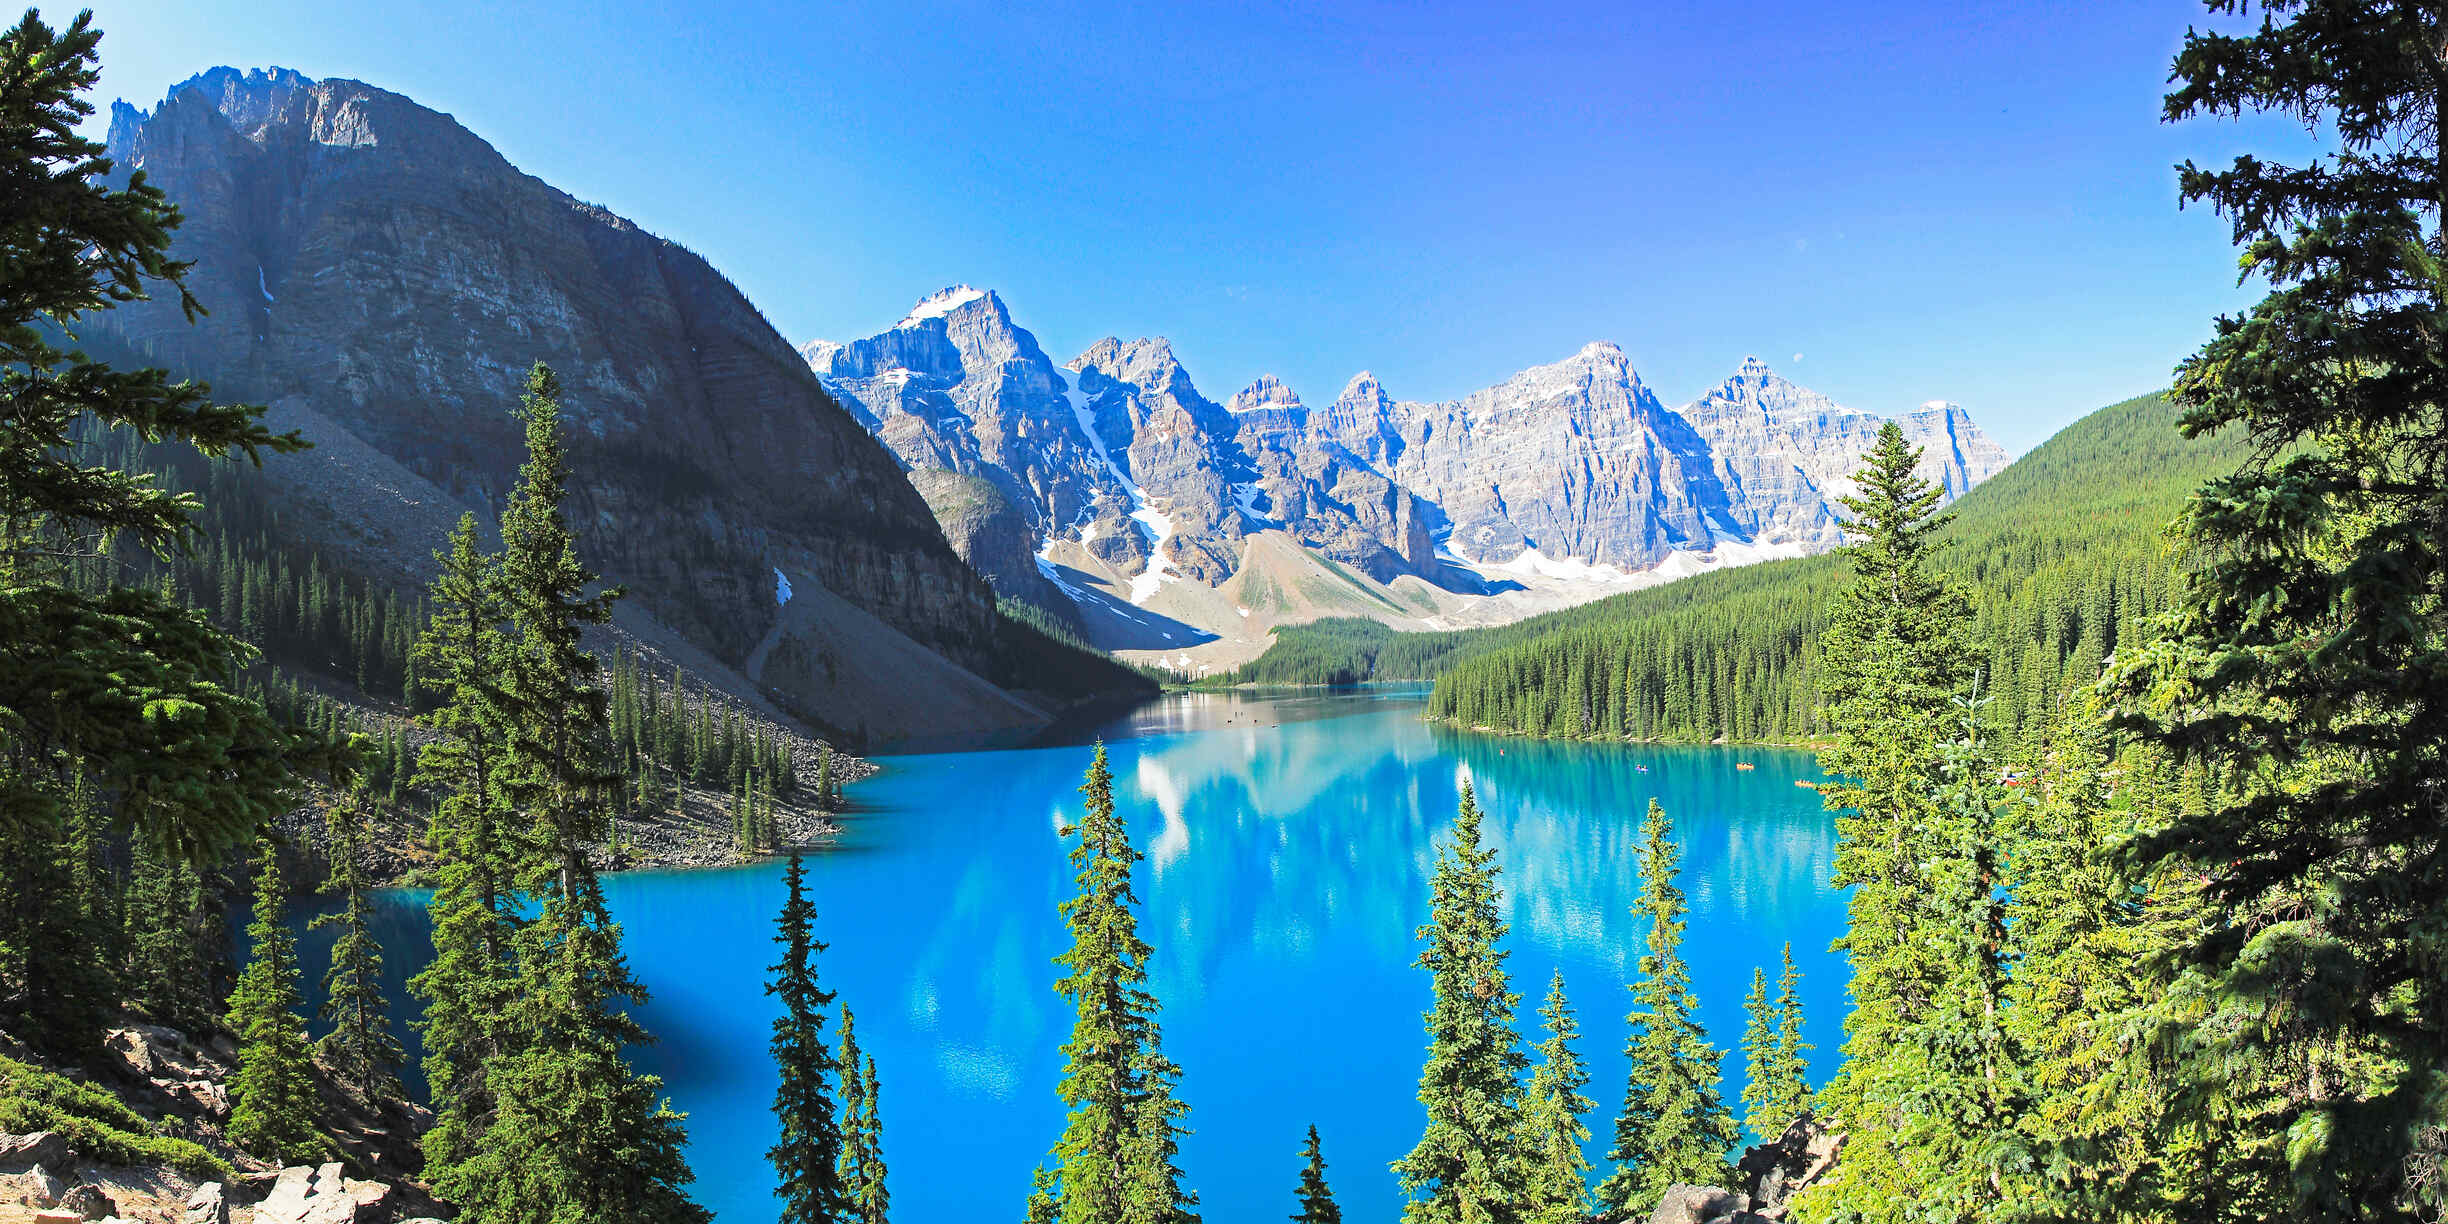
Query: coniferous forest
{"x": 2133, "y": 757}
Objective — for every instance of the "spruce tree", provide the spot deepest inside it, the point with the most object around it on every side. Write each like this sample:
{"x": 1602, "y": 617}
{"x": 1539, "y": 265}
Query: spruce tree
{"x": 166, "y": 933}
{"x": 272, "y": 1095}
{"x": 862, "y": 1131}
{"x": 2307, "y": 658}
{"x": 1934, "y": 1116}
{"x": 1316, "y": 1198}
{"x": 59, "y": 940}
{"x": 1776, "y": 1059}
{"x": 808, "y": 1156}
{"x": 870, "y": 1196}
{"x": 359, "y": 1048}
{"x": 1789, "y": 1092}
{"x": 2116, "y": 1131}
{"x": 578, "y": 1134}
{"x": 1759, "y": 1059}
{"x": 1466, "y": 1166}
{"x": 467, "y": 984}
{"x": 128, "y": 687}
{"x": 1114, "y": 1162}
{"x": 1674, "y": 1126}
{"x": 1555, "y": 1172}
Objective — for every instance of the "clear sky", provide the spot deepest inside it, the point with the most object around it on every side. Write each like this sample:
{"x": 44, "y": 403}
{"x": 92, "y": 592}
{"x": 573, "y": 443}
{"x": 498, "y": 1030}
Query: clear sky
{"x": 1890, "y": 202}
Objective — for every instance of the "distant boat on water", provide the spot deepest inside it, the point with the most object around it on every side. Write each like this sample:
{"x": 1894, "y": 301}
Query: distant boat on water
{"x": 1744, "y": 765}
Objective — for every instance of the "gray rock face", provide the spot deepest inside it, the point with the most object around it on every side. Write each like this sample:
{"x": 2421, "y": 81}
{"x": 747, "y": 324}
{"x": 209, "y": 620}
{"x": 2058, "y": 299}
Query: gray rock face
{"x": 1578, "y": 460}
{"x": 375, "y": 267}
{"x": 34, "y": 1148}
{"x": 1175, "y": 445}
{"x": 1787, "y": 454}
{"x": 321, "y": 1195}
{"x": 208, "y": 1205}
{"x": 1332, "y": 500}
{"x": 956, "y": 387}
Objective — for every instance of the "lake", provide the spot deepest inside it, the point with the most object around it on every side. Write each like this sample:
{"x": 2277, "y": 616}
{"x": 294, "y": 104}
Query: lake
{"x": 1289, "y": 840}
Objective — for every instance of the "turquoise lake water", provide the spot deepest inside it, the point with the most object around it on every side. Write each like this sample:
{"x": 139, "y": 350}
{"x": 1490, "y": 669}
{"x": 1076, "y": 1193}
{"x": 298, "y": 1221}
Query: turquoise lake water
{"x": 1288, "y": 844}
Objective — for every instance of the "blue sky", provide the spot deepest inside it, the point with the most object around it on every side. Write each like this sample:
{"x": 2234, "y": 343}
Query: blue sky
{"x": 1889, "y": 202}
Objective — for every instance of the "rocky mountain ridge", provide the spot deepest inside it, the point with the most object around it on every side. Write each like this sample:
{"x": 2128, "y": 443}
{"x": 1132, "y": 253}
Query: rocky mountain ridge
{"x": 1128, "y": 480}
{"x": 383, "y": 279}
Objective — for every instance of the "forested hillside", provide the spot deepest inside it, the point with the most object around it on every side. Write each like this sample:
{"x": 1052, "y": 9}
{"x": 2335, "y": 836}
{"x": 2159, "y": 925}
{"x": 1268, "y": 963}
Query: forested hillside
{"x": 2062, "y": 555}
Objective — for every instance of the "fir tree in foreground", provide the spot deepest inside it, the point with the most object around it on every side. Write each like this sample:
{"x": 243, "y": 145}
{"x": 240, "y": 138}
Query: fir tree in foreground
{"x": 272, "y": 1094}
{"x": 125, "y": 684}
{"x": 1674, "y": 1127}
{"x": 577, "y": 1134}
{"x": 1555, "y": 1175}
{"x": 466, "y": 986}
{"x": 1316, "y": 1199}
{"x": 1114, "y": 1162}
{"x": 2308, "y": 658}
{"x": 359, "y": 1048}
{"x": 808, "y": 1156}
{"x": 107, "y": 689}
{"x": 1922, "y": 1090}
{"x": 1466, "y": 1166}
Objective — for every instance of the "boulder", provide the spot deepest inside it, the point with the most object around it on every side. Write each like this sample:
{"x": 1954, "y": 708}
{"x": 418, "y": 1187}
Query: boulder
{"x": 87, "y": 1203}
{"x": 43, "y": 1188}
{"x": 1685, "y": 1204}
{"x": 208, "y": 1205}
{"x": 35, "y": 1148}
{"x": 321, "y": 1195}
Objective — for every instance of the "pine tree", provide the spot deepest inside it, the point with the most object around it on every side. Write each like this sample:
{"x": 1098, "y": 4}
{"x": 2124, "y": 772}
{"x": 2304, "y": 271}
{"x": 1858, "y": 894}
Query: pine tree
{"x": 2116, "y": 1135}
{"x": 862, "y": 1130}
{"x": 871, "y": 1196}
{"x": 1789, "y": 1094}
{"x": 1114, "y": 1162}
{"x": 1916, "y": 845}
{"x": 808, "y": 1157}
{"x": 272, "y": 1096}
{"x": 166, "y": 933}
{"x": 359, "y": 1048}
{"x": 1316, "y": 1199}
{"x": 1759, "y": 1046}
{"x": 1933, "y": 1115}
{"x": 1674, "y": 1127}
{"x": 1555, "y": 1174}
{"x": 578, "y": 1134}
{"x": 1466, "y": 1166}
{"x": 59, "y": 941}
{"x": 2307, "y": 658}
{"x": 467, "y": 984}
{"x": 110, "y": 680}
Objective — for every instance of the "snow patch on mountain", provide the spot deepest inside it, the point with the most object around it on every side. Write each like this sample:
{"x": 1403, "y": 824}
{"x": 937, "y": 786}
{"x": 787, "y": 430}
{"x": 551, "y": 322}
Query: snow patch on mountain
{"x": 1155, "y": 524}
{"x": 940, "y": 303}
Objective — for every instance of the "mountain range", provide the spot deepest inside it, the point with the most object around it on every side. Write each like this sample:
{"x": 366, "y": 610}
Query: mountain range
{"x": 1110, "y": 488}
{"x": 826, "y": 533}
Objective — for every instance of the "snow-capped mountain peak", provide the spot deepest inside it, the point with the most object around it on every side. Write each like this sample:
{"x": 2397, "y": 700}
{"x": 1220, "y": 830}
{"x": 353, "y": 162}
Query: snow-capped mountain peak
{"x": 941, "y": 303}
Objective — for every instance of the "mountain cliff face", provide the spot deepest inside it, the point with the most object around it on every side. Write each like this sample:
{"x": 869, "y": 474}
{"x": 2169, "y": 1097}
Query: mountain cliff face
{"x": 384, "y": 279}
{"x": 1574, "y": 468}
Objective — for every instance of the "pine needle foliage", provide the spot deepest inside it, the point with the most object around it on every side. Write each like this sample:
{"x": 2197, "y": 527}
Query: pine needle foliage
{"x": 1114, "y": 1163}
{"x": 1674, "y": 1126}
{"x": 1467, "y": 1165}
